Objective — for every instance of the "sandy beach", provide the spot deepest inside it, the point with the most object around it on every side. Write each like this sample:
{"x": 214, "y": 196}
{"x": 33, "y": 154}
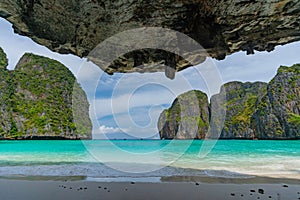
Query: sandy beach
{"x": 54, "y": 170}
{"x": 34, "y": 189}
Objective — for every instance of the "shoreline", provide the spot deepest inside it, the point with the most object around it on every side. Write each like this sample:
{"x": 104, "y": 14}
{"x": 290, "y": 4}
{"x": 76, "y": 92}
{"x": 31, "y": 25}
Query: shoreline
{"x": 36, "y": 189}
{"x": 255, "y": 179}
{"x": 141, "y": 139}
{"x": 43, "y": 138}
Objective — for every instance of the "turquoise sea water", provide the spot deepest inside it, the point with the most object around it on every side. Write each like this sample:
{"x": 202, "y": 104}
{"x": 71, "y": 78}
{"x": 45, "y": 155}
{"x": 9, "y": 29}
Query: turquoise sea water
{"x": 151, "y": 158}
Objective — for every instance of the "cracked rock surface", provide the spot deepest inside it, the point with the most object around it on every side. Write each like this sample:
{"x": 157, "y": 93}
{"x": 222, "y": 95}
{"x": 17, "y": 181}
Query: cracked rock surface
{"x": 222, "y": 27}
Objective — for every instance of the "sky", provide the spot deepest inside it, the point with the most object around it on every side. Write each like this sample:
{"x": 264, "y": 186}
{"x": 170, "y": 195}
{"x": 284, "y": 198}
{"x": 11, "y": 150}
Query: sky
{"x": 128, "y": 105}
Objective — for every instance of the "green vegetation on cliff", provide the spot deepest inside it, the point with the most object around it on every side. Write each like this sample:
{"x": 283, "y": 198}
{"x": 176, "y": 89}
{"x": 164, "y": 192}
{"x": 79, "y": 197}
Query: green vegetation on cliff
{"x": 277, "y": 112}
{"x": 294, "y": 119}
{"x": 240, "y": 105}
{"x": 36, "y": 101}
{"x": 252, "y": 110}
{"x": 3, "y": 59}
{"x": 187, "y": 118}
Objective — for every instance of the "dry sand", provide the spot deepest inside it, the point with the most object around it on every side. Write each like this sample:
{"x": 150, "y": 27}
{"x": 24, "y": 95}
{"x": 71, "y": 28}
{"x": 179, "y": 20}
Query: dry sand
{"x": 12, "y": 189}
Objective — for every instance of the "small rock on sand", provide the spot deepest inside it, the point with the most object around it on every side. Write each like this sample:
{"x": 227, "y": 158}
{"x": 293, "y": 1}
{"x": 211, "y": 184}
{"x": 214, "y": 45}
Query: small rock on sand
{"x": 261, "y": 191}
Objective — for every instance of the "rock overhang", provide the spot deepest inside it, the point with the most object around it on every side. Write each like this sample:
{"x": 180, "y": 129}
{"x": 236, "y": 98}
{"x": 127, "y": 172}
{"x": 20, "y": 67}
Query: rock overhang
{"x": 221, "y": 27}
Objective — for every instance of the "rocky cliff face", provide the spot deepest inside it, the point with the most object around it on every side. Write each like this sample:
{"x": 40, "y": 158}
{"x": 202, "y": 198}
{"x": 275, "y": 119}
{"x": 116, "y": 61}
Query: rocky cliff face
{"x": 6, "y": 92}
{"x": 278, "y": 113}
{"x": 252, "y": 110}
{"x": 241, "y": 100}
{"x": 220, "y": 26}
{"x": 187, "y": 118}
{"x": 36, "y": 101}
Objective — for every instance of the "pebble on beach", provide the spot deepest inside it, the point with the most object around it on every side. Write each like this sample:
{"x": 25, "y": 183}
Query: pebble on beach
{"x": 261, "y": 191}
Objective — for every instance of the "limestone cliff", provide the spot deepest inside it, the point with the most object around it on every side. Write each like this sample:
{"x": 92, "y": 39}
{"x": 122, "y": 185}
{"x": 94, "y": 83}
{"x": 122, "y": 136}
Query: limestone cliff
{"x": 278, "y": 113}
{"x": 6, "y": 92}
{"x": 220, "y": 26}
{"x": 241, "y": 100}
{"x": 187, "y": 118}
{"x": 36, "y": 101}
{"x": 252, "y": 110}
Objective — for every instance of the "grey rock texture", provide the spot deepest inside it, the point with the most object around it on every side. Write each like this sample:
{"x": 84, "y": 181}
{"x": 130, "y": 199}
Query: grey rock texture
{"x": 252, "y": 110}
{"x": 6, "y": 92}
{"x": 187, "y": 118}
{"x": 278, "y": 113}
{"x": 220, "y": 26}
{"x": 241, "y": 101}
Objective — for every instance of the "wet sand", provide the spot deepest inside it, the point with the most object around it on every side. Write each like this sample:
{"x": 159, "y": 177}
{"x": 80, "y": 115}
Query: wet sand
{"x": 12, "y": 189}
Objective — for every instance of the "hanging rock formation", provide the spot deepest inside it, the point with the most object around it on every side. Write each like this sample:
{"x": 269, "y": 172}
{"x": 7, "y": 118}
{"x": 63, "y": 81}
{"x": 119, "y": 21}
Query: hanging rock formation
{"x": 222, "y": 27}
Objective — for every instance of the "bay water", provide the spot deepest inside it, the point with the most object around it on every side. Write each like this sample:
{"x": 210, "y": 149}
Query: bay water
{"x": 151, "y": 158}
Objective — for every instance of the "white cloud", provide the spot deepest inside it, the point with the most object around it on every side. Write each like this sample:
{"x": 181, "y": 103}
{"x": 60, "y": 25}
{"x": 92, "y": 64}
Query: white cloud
{"x": 261, "y": 66}
{"x": 194, "y": 77}
{"x": 126, "y": 102}
{"x": 142, "y": 122}
{"x": 140, "y": 90}
{"x": 108, "y": 130}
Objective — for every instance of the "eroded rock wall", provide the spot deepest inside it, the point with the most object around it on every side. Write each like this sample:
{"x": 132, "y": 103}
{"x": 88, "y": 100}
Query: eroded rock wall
{"x": 220, "y": 26}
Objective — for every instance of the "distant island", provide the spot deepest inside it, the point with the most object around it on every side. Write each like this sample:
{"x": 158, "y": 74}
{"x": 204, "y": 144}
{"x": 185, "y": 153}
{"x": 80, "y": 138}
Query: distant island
{"x": 36, "y": 101}
{"x": 253, "y": 110}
